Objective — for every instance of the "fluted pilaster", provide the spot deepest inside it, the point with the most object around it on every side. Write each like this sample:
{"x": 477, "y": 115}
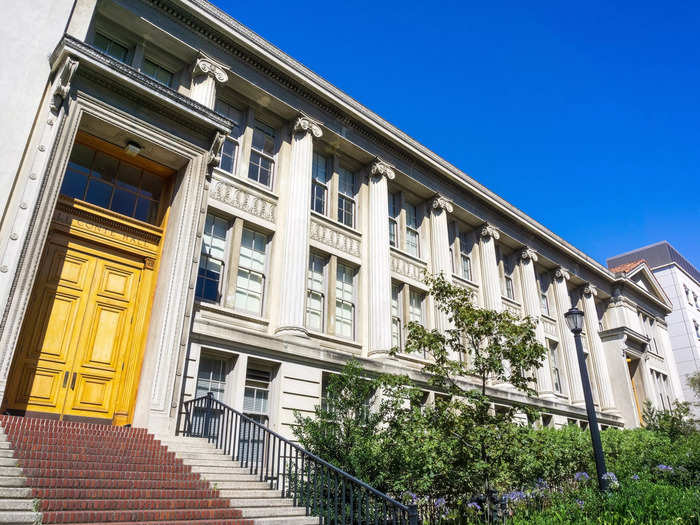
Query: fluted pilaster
{"x": 205, "y": 75}
{"x": 607, "y": 400}
{"x": 296, "y": 221}
{"x": 379, "y": 262}
{"x": 561, "y": 293}
{"x": 491, "y": 281}
{"x": 440, "y": 248}
{"x": 531, "y": 304}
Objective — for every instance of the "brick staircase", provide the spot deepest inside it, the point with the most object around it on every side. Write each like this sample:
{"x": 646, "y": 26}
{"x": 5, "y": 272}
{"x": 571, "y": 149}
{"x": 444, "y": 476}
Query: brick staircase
{"x": 58, "y": 472}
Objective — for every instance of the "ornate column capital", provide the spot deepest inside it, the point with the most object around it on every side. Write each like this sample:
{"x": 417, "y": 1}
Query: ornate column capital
{"x": 62, "y": 84}
{"x": 214, "y": 155}
{"x": 304, "y": 124}
{"x": 442, "y": 203}
{"x": 561, "y": 274}
{"x": 379, "y": 168}
{"x": 528, "y": 254}
{"x": 488, "y": 230}
{"x": 589, "y": 289}
{"x": 206, "y": 66}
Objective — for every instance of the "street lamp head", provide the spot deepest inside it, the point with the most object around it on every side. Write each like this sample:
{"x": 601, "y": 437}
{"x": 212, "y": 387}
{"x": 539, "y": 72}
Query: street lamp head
{"x": 574, "y": 320}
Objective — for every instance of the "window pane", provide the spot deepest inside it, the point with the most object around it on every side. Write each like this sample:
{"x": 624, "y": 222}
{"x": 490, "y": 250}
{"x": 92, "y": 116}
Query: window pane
{"x": 211, "y": 264}
{"x": 123, "y": 202}
{"x": 346, "y": 182}
{"x": 74, "y": 183}
{"x": 412, "y": 242}
{"x": 264, "y": 138}
{"x": 228, "y": 155}
{"x": 228, "y": 111}
{"x": 128, "y": 176}
{"x": 104, "y": 167}
{"x": 346, "y": 211}
{"x": 151, "y": 185}
{"x": 415, "y": 307}
{"x": 466, "y": 268}
{"x": 315, "y": 293}
{"x": 318, "y": 198}
{"x": 111, "y": 48}
{"x": 99, "y": 193}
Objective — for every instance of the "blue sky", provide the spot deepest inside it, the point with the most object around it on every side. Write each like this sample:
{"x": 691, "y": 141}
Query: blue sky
{"x": 588, "y": 120}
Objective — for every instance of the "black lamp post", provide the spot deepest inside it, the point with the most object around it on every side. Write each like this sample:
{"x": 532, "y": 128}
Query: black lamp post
{"x": 574, "y": 319}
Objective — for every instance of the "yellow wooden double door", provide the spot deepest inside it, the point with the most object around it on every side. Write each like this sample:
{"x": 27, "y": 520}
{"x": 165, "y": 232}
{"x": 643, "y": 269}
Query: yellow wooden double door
{"x": 78, "y": 340}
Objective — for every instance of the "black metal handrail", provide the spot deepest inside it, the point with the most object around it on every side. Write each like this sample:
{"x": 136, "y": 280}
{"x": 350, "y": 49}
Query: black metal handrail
{"x": 324, "y": 490}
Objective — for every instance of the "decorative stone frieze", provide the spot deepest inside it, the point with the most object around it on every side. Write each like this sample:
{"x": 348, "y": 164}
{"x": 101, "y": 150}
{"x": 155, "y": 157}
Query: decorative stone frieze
{"x": 380, "y": 168}
{"x": 406, "y": 268}
{"x": 65, "y": 74}
{"x": 334, "y": 238}
{"x": 489, "y": 231}
{"x": 304, "y": 124}
{"x": 243, "y": 200}
{"x": 550, "y": 327}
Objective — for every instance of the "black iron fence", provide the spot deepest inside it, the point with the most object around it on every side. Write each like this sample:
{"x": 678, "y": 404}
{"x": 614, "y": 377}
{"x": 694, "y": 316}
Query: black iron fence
{"x": 325, "y": 491}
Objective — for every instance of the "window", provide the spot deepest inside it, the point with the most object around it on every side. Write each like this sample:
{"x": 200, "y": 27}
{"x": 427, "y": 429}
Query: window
{"x": 544, "y": 304}
{"x": 346, "y": 197}
{"x": 396, "y": 316}
{"x": 211, "y": 261}
{"x": 250, "y": 282}
{"x": 320, "y": 176}
{"x": 229, "y": 150}
{"x": 695, "y": 300}
{"x": 211, "y": 378}
{"x": 262, "y": 163}
{"x": 315, "y": 294}
{"x": 415, "y": 307}
{"x": 157, "y": 73}
{"x": 111, "y": 48}
{"x": 510, "y": 291}
{"x": 687, "y": 294}
{"x": 111, "y": 183}
{"x": 663, "y": 389}
{"x": 466, "y": 266}
{"x": 555, "y": 366}
{"x": 345, "y": 301}
{"x": 256, "y": 407}
{"x": 394, "y": 210}
{"x": 412, "y": 234}
{"x": 697, "y": 329}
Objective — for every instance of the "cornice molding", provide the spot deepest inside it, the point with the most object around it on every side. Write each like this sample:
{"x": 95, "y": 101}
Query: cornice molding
{"x": 206, "y": 66}
{"x": 304, "y": 124}
{"x": 379, "y": 168}
{"x": 487, "y": 230}
{"x": 442, "y": 203}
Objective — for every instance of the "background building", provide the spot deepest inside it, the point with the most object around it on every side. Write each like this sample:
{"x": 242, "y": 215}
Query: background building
{"x": 680, "y": 281}
{"x": 195, "y": 211}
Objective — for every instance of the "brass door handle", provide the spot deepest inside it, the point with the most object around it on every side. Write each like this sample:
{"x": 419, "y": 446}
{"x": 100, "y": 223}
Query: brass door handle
{"x": 72, "y": 381}
{"x": 65, "y": 379}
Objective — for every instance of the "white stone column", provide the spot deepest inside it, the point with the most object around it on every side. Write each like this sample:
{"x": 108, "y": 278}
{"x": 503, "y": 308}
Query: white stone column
{"x": 205, "y": 75}
{"x": 560, "y": 276}
{"x": 531, "y": 304}
{"x": 379, "y": 264}
{"x": 295, "y": 244}
{"x": 490, "y": 279}
{"x": 607, "y": 401}
{"x": 440, "y": 249}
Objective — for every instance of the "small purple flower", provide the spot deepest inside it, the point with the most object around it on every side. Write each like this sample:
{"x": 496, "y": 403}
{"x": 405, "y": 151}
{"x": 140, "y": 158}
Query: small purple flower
{"x": 635, "y": 477}
{"x": 474, "y": 505}
{"x": 440, "y": 502}
{"x": 582, "y": 476}
{"x": 612, "y": 478}
{"x": 664, "y": 468}
{"x": 580, "y": 502}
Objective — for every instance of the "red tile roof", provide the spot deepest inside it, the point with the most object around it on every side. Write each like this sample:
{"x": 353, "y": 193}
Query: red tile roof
{"x": 627, "y": 267}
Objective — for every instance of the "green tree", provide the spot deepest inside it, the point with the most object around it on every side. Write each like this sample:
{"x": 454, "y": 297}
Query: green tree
{"x": 481, "y": 347}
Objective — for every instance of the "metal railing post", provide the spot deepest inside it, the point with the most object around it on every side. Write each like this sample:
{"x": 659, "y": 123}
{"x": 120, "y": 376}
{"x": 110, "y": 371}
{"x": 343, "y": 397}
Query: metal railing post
{"x": 412, "y": 514}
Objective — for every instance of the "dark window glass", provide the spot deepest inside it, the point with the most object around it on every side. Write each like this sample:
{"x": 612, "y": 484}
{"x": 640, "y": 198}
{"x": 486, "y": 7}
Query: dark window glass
{"x": 123, "y": 202}
{"x": 111, "y": 48}
{"x": 99, "y": 193}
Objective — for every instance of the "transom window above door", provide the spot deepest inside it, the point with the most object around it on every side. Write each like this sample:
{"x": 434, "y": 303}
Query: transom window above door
{"x": 112, "y": 183}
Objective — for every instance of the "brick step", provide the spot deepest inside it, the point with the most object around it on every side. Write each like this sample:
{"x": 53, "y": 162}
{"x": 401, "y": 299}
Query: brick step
{"x": 62, "y": 455}
{"x": 78, "y": 473}
{"x": 90, "y": 483}
{"x": 116, "y": 494}
{"x": 238, "y": 521}
{"x": 127, "y": 465}
{"x": 57, "y": 439}
{"x": 24, "y": 423}
{"x": 139, "y": 516}
{"x": 132, "y": 504}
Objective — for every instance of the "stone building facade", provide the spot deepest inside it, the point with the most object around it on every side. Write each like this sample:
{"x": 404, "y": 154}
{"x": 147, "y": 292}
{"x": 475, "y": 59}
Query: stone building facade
{"x": 680, "y": 281}
{"x": 193, "y": 211}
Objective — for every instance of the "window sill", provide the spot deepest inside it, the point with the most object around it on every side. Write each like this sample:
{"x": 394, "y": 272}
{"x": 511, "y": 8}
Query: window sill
{"x": 336, "y": 224}
{"x": 462, "y": 280}
{"x": 246, "y": 316}
{"x": 265, "y": 190}
{"x": 334, "y": 339}
{"x": 407, "y": 255}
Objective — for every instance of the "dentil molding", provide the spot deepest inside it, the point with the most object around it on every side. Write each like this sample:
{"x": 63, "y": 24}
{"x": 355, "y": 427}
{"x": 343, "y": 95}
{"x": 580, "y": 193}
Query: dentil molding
{"x": 334, "y": 238}
{"x": 238, "y": 198}
{"x": 304, "y": 124}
